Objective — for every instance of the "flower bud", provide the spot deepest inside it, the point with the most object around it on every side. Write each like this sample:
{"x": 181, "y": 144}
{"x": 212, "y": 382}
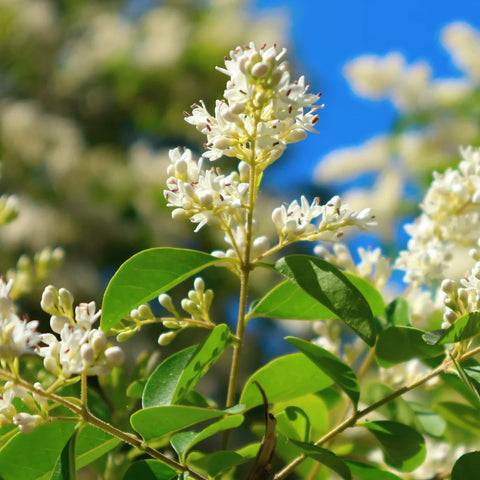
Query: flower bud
{"x": 448, "y": 286}
{"x": 49, "y": 300}
{"x": 126, "y": 335}
{"x": 165, "y": 301}
{"x": 66, "y": 300}
{"x": 57, "y": 322}
{"x": 51, "y": 365}
{"x": 179, "y": 214}
{"x": 114, "y": 355}
{"x": 86, "y": 352}
{"x": 260, "y": 69}
{"x": 171, "y": 324}
{"x": 98, "y": 341}
{"x": 165, "y": 338}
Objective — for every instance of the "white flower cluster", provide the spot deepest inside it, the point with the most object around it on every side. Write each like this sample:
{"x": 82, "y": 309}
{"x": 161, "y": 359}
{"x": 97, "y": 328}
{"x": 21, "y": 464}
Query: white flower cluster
{"x": 451, "y": 216}
{"x": 204, "y": 196}
{"x": 9, "y": 414}
{"x": 17, "y": 337}
{"x": 81, "y": 348}
{"x": 263, "y": 109}
{"x": 294, "y": 222}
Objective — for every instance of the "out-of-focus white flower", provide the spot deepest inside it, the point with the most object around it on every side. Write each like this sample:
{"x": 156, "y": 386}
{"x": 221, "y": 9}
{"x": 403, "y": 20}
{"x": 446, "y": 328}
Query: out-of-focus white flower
{"x": 17, "y": 337}
{"x": 463, "y": 43}
{"x": 373, "y": 155}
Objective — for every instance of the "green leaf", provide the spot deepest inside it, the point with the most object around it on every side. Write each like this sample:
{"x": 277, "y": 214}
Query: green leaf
{"x": 325, "y": 457}
{"x": 399, "y": 344}
{"x": 44, "y": 445}
{"x": 149, "y": 470}
{"x": 178, "y": 374}
{"x": 397, "y": 410}
{"x": 147, "y": 274}
{"x": 397, "y": 312}
{"x": 294, "y": 423}
{"x": 303, "y": 377}
{"x": 64, "y": 468}
{"x": 470, "y": 383}
{"x": 331, "y": 288}
{"x": 464, "y": 328}
{"x": 467, "y": 467}
{"x": 155, "y": 422}
{"x": 92, "y": 443}
{"x": 461, "y": 415}
{"x": 288, "y": 301}
{"x": 432, "y": 423}
{"x": 338, "y": 371}
{"x": 216, "y": 463}
{"x": 160, "y": 387}
{"x": 314, "y": 408}
{"x": 403, "y": 447}
{"x": 185, "y": 441}
{"x": 364, "y": 471}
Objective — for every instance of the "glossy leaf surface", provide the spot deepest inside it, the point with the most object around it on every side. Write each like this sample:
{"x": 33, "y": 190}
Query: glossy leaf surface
{"x": 284, "y": 378}
{"x": 341, "y": 374}
{"x": 403, "y": 447}
{"x": 64, "y": 468}
{"x": 331, "y": 288}
{"x": 464, "y": 328}
{"x": 467, "y": 467}
{"x": 149, "y": 470}
{"x": 147, "y": 274}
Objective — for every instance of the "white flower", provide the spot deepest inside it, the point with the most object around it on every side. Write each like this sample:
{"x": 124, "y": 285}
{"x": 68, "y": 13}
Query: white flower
{"x": 17, "y": 337}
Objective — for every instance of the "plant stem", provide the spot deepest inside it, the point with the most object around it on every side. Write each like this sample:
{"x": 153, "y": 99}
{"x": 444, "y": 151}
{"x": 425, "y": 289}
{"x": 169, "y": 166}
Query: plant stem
{"x": 352, "y": 420}
{"x": 91, "y": 419}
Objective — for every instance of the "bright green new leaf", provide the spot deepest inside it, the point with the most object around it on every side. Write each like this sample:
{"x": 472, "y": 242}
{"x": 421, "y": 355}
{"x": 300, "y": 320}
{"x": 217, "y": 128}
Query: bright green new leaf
{"x": 399, "y": 344}
{"x": 467, "y": 467}
{"x": 294, "y": 423}
{"x": 341, "y": 374}
{"x": 403, "y": 447}
{"x": 149, "y": 470}
{"x": 64, "y": 468}
{"x": 464, "y": 328}
{"x": 432, "y": 423}
{"x": 183, "y": 442}
{"x": 160, "y": 387}
{"x": 178, "y": 374}
{"x": 92, "y": 443}
{"x": 147, "y": 274}
{"x": 44, "y": 445}
{"x": 331, "y": 288}
{"x": 325, "y": 457}
{"x": 284, "y": 378}
{"x": 364, "y": 471}
{"x": 155, "y": 422}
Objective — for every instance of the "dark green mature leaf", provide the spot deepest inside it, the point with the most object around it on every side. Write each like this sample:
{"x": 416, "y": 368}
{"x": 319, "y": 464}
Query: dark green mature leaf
{"x": 331, "y": 288}
{"x": 92, "y": 443}
{"x": 155, "y": 422}
{"x": 183, "y": 442}
{"x": 178, "y": 374}
{"x": 403, "y": 447}
{"x": 147, "y": 274}
{"x": 454, "y": 381}
{"x": 363, "y": 471}
{"x": 399, "y": 344}
{"x": 338, "y": 371}
{"x": 65, "y": 468}
{"x": 219, "y": 462}
{"x": 43, "y": 445}
{"x": 284, "y": 378}
{"x": 149, "y": 470}
{"x": 288, "y": 301}
{"x": 464, "y": 328}
{"x": 470, "y": 383}
{"x": 325, "y": 457}
{"x": 467, "y": 467}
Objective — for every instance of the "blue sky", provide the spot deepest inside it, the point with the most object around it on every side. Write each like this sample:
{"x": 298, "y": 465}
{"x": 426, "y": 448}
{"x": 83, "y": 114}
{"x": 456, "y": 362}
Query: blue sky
{"x": 326, "y": 34}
